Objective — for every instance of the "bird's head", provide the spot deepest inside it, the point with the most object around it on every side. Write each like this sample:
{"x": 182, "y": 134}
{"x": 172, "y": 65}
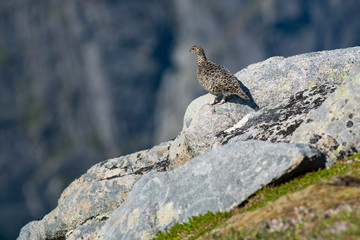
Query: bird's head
{"x": 197, "y": 50}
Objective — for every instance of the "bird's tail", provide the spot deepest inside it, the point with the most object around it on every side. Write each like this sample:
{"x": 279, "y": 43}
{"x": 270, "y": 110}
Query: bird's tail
{"x": 242, "y": 94}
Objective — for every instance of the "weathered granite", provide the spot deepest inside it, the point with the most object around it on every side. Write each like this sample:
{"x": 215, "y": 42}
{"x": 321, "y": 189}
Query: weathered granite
{"x": 180, "y": 151}
{"x": 277, "y": 123}
{"x": 91, "y": 228}
{"x": 334, "y": 127}
{"x": 215, "y": 181}
{"x": 285, "y": 88}
{"x": 89, "y": 200}
{"x": 318, "y": 116}
{"x": 277, "y": 78}
{"x": 202, "y": 121}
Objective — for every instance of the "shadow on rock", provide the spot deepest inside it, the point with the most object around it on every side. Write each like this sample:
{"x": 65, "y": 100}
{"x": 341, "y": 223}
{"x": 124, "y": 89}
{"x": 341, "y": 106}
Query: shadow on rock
{"x": 236, "y": 99}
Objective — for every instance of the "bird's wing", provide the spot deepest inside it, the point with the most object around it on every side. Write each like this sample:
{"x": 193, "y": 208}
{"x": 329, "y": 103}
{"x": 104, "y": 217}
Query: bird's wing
{"x": 226, "y": 81}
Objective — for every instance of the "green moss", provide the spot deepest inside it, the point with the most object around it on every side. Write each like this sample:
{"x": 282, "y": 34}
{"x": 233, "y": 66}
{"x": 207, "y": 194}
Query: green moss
{"x": 195, "y": 227}
{"x": 273, "y": 192}
{"x": 203, "y": 224}
{"x": 356, "y": 156}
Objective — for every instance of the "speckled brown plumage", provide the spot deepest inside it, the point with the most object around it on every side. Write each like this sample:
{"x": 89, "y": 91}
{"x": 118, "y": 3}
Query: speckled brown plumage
{"x": 216, "y": 79}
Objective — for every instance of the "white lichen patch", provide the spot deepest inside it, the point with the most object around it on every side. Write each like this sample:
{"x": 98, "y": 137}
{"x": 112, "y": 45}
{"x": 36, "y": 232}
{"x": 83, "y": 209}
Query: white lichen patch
{"x": 146, "y": 235}
{"x": 166, "y": 213}
{"x": 241, "y": 123}
{"x": 203, "y": 169}
{"x": 134, "y": 217}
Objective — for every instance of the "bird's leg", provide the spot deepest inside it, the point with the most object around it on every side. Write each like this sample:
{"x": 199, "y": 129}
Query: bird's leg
{"x": 214, "y": 101}
{"x": 223, "y": 100}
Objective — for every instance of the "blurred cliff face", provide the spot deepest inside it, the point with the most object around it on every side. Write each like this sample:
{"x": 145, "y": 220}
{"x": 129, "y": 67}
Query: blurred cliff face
{"x": 82, "y": 81}
{"x": 77, "y": 85}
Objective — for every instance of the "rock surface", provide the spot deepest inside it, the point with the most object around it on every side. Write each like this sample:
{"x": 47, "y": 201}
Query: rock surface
{"x": 299, "y": 83}
{"x": 277, "y": 123}
{"x": 203, "y": 121}
{"x": 318, "y": 116}
{"x": 277, "y": 78}
{"x": 226, "y": 162}
{"x": 216, "y": 181}
{"x": 89, "y": 200}
{"x": 334, "y": 127}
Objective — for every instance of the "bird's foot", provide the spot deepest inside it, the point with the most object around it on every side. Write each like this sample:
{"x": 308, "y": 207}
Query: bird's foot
{"x": 214, "y": 101}
{"x": 223, "y": 100}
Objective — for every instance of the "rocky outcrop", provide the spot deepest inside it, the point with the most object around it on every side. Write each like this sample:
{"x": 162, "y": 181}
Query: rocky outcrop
{"x": 334, "y": 127}
{"x": 90, "y": 199}
{"x": 325, "y": 116}
{"x": 277, "y": 123}
{"x": 227, "y": 151}
{"x": 277, "y": 78}
{"x": 216, "y": 181}
{"x": 286, "y": 90}
{"x": 202, "y": 121}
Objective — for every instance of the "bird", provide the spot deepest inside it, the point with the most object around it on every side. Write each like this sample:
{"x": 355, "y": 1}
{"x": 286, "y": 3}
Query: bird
{"x": 216, "y": 79}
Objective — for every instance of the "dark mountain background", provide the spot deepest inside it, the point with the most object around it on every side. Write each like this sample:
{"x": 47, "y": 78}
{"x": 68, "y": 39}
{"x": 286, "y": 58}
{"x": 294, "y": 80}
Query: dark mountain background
{"x": 82, "y": 81}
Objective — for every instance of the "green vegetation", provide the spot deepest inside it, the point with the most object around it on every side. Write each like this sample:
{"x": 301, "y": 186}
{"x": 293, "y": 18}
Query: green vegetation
{"x": 195, "y": 227}
{"x": 316, "y": 188}
{"x": 342, "y": 225}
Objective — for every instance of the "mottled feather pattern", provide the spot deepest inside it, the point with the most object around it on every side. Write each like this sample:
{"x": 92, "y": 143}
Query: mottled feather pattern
{"x": 216, "y": 79}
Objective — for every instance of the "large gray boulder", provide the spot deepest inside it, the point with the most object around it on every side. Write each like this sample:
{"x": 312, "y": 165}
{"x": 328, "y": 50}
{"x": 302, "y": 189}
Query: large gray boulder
{"x": 276, "y": 123}
{"x": 216, "y": 181}
{"x": 324, "y": 116}
{"x": 277, "y": 78}
{"x": 285, "y": 89}
{"x": 89, "y": 200}
{"x": 203, "y": 121}
{"x": 201, "y": 124}
{"x": 334, "y": 127}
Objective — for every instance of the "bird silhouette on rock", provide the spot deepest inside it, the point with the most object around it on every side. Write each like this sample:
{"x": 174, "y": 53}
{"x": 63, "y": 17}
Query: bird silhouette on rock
{"x": 216, "y": 79}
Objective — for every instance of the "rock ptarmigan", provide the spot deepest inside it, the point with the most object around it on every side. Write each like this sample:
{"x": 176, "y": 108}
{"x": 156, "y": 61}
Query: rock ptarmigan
{"x": 216, "y": 79}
